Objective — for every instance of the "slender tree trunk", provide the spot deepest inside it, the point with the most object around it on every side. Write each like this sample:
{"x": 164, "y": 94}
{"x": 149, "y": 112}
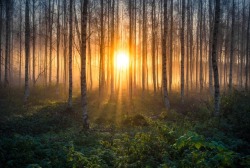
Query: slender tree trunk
{"x": 242, "y": 44}
{"x": 171, "y": 45}
{"x": 83, "y": 65}
{"x": 50, "y": 41}
{"x": 46, "y": 48}
{"x": 11, "y": 42}
{"x": 108, "y": 58}
{"x": 102, "y": 68}
{"x": 135, "y": 39}
{"x": 140, "y": 42}
{"x": 191, "y": 45}
{"x": 130, "y": 50}
{"x": 34, "y": 46}
{"x": 7, "y": 42}
{"x": 247, "y": 51}
{"x": 164, "y": 58}
{"x": 40, "y": 46}
{"x": 112, "y": 49}
{"x": 214, "y": 59}
{"x": 40, "y": 71}
{"x": 20, "y": 45}
{"x": 58, "y": 45}
{"x": 221, "y": 46}
{"x": 144, "y": 43}
{"x": 188, "y": 46}
{"x": 89, "y": 51}
{"x": 27, "y": 50}
{"x": 1, "y": 24}
{"x": 182, "y": 49}
{"x": 153, "y": 44}
{"x": 65, "y": 38}
{"x": 227, "y": 47}
{"x": 70, "y": 51}
{"x": 232, "y": 48}
{"x": 210, "y": 48}
{"x": 197, "y": 53}
{"x": 51, "y": 18}
{"x": 201, "y": 48}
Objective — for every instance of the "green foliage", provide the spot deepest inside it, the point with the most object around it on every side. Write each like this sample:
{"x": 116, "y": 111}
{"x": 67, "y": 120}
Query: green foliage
{"x": 78, "y": 159}
{"x": 21, "y": 151}
{"x": 136, "y": 120}
{"x": 236, "y": 113}
{"x": 44, "y": 134}
{"x": 167, "y": 147}
{"x": 195, "y": 148}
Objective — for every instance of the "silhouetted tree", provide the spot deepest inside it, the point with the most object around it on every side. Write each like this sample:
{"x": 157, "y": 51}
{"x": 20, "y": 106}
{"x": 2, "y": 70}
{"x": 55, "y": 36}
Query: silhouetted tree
{"x": 83, "y": 64}
{"x": 182, "y": 49}
{"x": 214, "y": 59}
{"x": 232, "y": 48}
{"x": 164, "y": 58}
{"x": 27, "y": 50}
{"x": 70, "y": 51}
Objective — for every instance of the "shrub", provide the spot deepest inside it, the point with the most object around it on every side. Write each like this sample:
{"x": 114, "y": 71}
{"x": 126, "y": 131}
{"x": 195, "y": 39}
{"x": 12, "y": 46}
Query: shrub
{"x": 136, "y": 120}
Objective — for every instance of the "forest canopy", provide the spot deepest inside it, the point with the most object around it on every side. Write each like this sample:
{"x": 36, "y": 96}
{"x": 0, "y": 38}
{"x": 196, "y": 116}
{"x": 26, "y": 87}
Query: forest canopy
{"x": 133, "y": 29}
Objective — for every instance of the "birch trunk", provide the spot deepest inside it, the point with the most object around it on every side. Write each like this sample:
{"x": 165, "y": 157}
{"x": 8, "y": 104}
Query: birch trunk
{"x": 34, "y": 47}
{"x": 83, "y": 65}
{"x": 214, "y": 59}
{"x": 164, "y": 58}
{"x": 112, "y": 49}
{"x": 247, "y": 50}
{"x": 171, "y": 46}
{"x": 27, "y": 50}
{"x": 153, "y": 44}
{"x": 1, "y": 24}
{"x": 201, "y": 49}
{"x": 70, "y": 51}
{"x": 7, "y": 43}
{"x": 58, "y": 45}
{"x": 232, "y": 49}
{"x": 182, "y": 49}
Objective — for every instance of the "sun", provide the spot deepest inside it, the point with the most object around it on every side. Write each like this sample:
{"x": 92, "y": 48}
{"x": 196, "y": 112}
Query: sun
{"x": 121, "y": 60}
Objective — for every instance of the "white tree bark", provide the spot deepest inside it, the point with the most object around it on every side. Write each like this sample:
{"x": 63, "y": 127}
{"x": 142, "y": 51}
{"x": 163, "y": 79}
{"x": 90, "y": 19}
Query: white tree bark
{"x": 83, "y": 65}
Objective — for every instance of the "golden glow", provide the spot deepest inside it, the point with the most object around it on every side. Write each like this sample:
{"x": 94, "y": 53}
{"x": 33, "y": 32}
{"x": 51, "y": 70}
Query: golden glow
{"x": 121, "y": 60}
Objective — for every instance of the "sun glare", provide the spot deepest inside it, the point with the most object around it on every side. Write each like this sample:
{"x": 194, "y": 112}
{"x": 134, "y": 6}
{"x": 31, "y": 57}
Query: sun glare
{"x": 121, "y": 60}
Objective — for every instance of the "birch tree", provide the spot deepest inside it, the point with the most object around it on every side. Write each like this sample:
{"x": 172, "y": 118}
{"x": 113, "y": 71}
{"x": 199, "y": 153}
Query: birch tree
{"x": 1, "y": 27}
{"x": 102, "y": 59}
{"x": 58, "y": 45}
{"x": 70, "y": 51}
{"x": 247, "y": 51}
{"x": 27, "y": 50}
{"x": 112, "y": 49}
{"x": 83, "y": 64}
{"x": 232, "y": 48}
{"x": 164, "y": 58}
{"x": 201, "y": 47}
{"x": 214, "y": 59}
{"x": 182, "y": 49}
{"x": 7, "y": 42}
{"x": 34, "y": 46}
{"x": 171, "y": 45}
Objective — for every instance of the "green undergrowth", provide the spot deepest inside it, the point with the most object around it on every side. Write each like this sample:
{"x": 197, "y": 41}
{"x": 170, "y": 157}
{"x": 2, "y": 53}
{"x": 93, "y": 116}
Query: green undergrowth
{"x": 45, "y": 133}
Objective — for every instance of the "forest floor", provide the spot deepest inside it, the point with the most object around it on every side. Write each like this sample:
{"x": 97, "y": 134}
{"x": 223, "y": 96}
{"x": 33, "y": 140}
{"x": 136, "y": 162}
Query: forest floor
{"x": 141, "y": 133}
